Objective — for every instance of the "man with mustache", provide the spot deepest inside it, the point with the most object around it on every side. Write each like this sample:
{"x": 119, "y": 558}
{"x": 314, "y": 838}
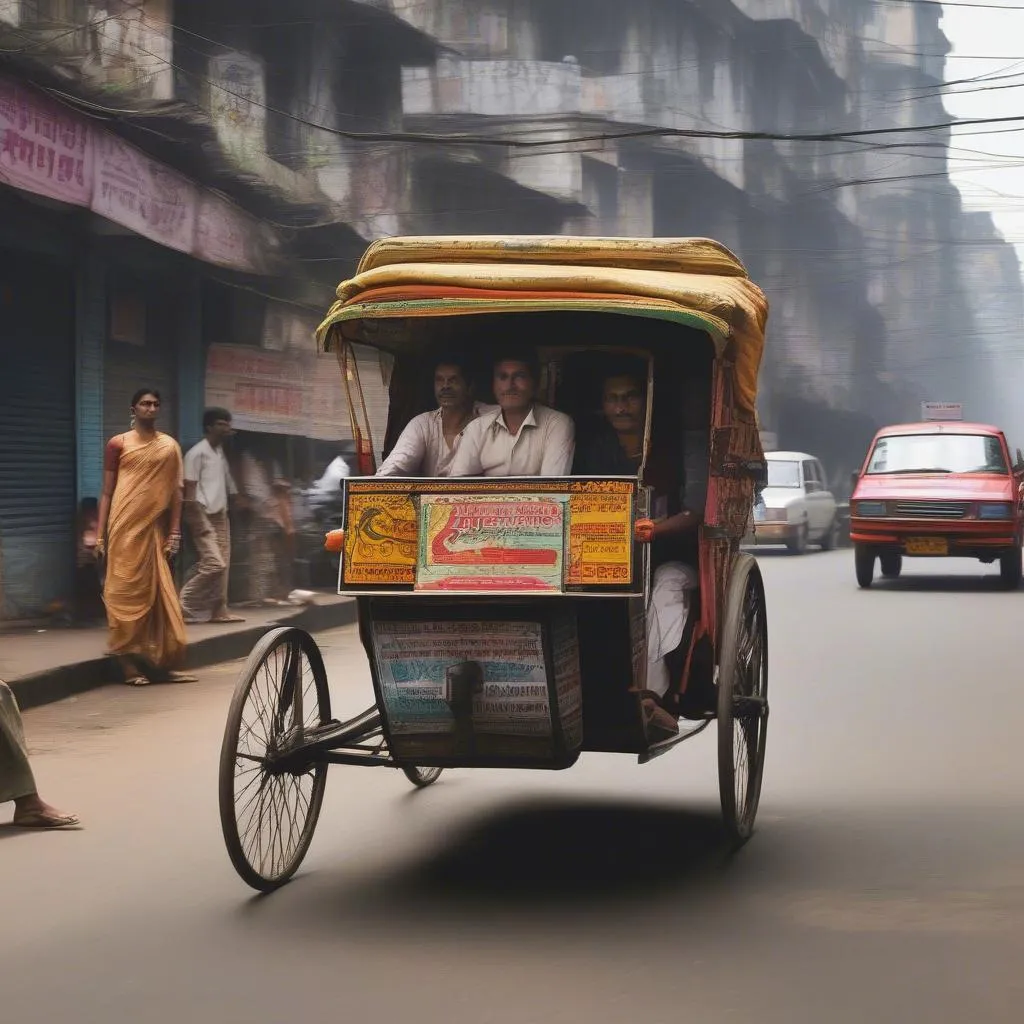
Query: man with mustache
{"x": 427, "y": 446}
{"x": 521, "y": 437}
{"x": 680, "y": 491}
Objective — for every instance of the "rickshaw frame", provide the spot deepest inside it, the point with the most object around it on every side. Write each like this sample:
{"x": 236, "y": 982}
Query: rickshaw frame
{"x": 713, "y": 294}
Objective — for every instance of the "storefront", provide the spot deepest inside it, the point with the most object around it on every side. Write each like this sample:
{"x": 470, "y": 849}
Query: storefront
{"x": 37, "y": 434}
{"x": 141, "y": 348}
{"x": 289, "y": 406}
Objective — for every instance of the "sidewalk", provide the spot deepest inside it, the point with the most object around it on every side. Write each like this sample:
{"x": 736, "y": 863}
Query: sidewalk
{"x": 46, "y": 665}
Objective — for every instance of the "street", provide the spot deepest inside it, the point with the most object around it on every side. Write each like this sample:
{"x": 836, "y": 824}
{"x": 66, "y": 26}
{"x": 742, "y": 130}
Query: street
{"x": 884, "y": 883}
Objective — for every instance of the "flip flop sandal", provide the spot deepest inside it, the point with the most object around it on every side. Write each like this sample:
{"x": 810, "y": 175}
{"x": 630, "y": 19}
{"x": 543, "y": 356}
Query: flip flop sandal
{"x": 138, "y": 681}
{"x": 180, "y": 677}
{"x": 41, "y": 821}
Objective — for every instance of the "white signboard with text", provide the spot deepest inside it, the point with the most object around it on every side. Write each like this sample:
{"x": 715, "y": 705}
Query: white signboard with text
{"x": 942, "y": 411}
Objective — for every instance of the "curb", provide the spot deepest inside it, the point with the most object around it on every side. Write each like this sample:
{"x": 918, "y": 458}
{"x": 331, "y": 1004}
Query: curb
{"x": 68, "y": 680}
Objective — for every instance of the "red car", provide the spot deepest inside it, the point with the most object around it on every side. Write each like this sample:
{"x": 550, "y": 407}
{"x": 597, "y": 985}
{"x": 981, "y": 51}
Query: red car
{"x": 937, "y": 490}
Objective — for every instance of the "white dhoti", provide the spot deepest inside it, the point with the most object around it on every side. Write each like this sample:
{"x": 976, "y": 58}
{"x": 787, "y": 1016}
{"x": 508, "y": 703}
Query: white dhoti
{"x": 667, "y": 612}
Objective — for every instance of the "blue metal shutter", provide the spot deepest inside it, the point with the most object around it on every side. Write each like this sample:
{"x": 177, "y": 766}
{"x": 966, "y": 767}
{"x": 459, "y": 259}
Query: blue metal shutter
{"x": 37, "y": 435}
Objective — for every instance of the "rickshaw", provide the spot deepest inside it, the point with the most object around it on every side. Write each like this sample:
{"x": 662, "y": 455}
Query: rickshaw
{"x": 504, "y": 619}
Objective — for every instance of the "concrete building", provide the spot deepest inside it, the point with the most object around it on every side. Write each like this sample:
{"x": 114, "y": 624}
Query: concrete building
{"x": 182, "y": 185}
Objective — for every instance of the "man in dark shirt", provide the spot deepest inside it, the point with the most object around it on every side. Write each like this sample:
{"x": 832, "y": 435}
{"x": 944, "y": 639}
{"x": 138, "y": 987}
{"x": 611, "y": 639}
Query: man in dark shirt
{"x": 679, "y": 483}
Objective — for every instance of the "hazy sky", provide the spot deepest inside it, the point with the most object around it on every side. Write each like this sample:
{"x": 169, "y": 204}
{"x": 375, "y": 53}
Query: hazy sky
{"x": 993, "y": 177}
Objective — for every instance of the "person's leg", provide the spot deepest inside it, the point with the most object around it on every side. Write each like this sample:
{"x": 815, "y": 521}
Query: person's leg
{"x": 222, "y": 530}
{"x": 201, "y": 593}
{"x": 16, "y": 780}
{"x": 667, "y": 613}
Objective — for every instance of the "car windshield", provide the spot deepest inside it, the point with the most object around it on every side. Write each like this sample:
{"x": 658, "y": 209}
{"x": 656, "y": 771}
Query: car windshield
{"x": 938, "y": 453}
{"x": 783, "y": 474}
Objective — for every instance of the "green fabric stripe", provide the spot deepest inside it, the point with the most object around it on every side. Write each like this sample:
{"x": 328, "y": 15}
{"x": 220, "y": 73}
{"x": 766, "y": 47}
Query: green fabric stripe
{"x": 382, "y": 310}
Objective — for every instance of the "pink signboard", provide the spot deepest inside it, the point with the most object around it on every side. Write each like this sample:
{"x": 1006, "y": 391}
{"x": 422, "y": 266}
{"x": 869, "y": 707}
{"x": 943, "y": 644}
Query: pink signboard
{"x": 143, "y": 195}
{"x": 227, "y": 236}
{"x": 44, "y": 148}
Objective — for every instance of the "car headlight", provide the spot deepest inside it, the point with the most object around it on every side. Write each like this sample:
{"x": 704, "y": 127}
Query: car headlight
{"x": 872, "y": 509}
{"x": 995, "y": 510}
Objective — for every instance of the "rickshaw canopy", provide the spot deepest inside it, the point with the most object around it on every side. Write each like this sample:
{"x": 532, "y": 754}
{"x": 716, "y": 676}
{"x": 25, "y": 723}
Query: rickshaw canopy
{"x": 692, "y": 281}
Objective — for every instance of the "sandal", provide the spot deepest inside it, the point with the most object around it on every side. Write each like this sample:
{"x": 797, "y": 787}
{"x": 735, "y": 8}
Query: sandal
{"x": 180, "y": 677}
{"x": 40, "y": 819}
{"x": 139, "y": 681}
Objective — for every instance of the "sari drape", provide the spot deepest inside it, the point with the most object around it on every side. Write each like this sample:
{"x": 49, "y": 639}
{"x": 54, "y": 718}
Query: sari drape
{"x": 143, "y": 613}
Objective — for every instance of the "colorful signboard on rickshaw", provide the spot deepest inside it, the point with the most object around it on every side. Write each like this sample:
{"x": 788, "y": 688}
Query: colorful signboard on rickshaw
{"x": 499, "y": 699}
{"x": 477, "y": 542}
{"x": 545, "y": 537}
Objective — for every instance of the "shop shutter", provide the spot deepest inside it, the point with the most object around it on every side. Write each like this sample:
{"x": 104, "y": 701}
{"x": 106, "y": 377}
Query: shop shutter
{"x": 37, "y": 436}
{"x": 140, "y": 352}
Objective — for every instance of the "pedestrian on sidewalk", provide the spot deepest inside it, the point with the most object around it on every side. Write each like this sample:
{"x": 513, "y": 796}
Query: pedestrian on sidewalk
{"x": 269, "y": 526}
{"x": 17, "y": 783}
{"x": 209, "y": 488}
{"x": 139, "y": 532}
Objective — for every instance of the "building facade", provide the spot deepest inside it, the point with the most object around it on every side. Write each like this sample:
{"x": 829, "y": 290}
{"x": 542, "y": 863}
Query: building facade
{"x": 182, "y": 185}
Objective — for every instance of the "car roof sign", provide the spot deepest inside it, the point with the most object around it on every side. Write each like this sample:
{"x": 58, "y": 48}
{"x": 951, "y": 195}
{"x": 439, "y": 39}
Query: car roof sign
{"x": 931, "y": 411}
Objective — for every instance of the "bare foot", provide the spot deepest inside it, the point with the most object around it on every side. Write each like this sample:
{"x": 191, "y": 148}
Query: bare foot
{"x": 32, "y": 812}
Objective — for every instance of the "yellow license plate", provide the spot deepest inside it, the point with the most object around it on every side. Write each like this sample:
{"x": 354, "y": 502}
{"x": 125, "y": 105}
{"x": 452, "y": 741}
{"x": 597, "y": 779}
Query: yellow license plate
{"x": 927, "y": 546}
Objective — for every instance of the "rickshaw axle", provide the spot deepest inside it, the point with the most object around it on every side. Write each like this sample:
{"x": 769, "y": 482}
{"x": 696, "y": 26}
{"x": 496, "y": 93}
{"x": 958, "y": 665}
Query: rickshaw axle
{"x": 333, "y": 743}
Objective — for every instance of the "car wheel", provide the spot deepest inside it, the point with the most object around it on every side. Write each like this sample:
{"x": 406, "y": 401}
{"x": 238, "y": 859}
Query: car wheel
{"x": 831, "y": 539}
{"x": 1010, "y": 568}
{"x": 798, "y": 545}
{"x": 864, "y": 563}
{"x": 892, "y": 565}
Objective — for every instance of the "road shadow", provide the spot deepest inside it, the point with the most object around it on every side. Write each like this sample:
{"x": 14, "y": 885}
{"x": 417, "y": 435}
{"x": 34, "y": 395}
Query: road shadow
{"x": 528, "y": 862}
{"x": 936, "y": 584}
{"x": 782, "y": 552}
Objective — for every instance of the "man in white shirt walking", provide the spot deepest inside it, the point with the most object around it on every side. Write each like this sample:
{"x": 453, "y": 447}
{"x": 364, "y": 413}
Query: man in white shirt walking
{"x": 521, "y": 437}
{"x": 428, "y": 445}
{"x": 208, "y": 488}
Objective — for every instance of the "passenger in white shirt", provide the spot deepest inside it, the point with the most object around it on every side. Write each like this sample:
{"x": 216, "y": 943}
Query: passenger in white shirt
{"x": 521, "y": 437}
{"x": 428, "y": 444}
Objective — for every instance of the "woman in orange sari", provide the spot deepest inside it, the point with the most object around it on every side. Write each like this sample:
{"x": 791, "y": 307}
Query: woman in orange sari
{"x": 139, "y": 531}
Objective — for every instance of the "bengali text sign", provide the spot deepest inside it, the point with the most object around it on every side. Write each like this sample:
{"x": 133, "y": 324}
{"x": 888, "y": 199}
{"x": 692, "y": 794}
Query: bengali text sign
{"x": 44, "y": 148}
{"x": 600, "y": 539}
{"x": 141, "y": 194}
{"x": 413, "y": 659}
{"x": 483, "y": 543}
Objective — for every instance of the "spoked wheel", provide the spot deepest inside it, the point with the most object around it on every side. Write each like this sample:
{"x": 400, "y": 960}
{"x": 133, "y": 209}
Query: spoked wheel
{"x": 422, "y": 777}
{"x": 742, "y": 699}
{"x": 268, "y": 815}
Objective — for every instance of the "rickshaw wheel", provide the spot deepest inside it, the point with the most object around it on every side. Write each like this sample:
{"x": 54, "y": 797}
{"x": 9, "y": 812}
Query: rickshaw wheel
{"x": 742, "y": 698}
{"x": 421, "y": 777}
{"x": 268, "y": 816}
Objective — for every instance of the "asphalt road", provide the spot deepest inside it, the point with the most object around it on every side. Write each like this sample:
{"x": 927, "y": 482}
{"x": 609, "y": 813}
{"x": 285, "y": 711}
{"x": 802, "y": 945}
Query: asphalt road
{"x": 885, "y": 882}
